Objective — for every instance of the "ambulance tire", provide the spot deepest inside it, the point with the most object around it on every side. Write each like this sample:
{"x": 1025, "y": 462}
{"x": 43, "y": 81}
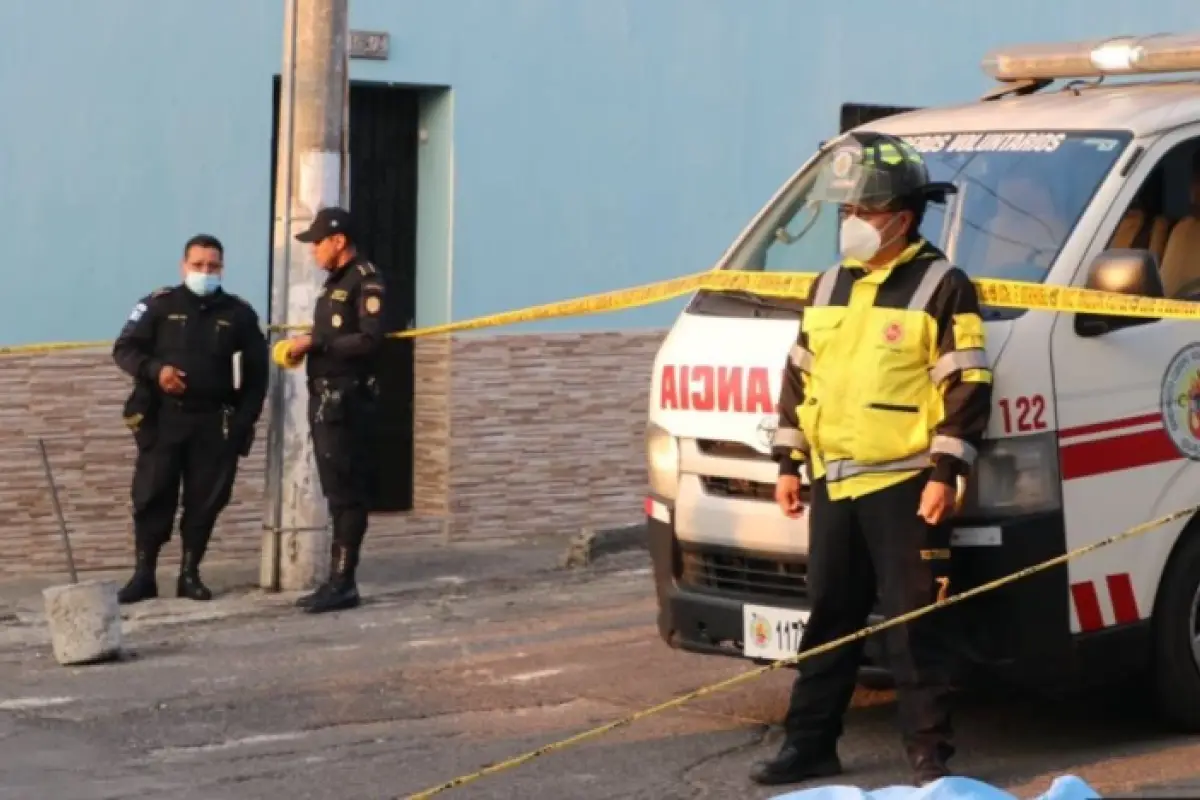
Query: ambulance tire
{"x": 1176, "y": 674}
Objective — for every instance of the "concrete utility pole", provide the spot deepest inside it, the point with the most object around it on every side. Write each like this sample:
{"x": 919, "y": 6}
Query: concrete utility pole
{"x": 313, "y": 173}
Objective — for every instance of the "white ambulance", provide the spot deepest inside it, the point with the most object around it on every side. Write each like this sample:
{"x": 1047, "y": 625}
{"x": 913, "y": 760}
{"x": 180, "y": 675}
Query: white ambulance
{"x": 1064, "y": 178}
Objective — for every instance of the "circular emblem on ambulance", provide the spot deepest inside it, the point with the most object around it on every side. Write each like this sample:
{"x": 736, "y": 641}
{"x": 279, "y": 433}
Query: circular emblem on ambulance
{"x": 1179, "y": 401}
{"x": 893, "y": 332}
{"x": 766, "y": 430}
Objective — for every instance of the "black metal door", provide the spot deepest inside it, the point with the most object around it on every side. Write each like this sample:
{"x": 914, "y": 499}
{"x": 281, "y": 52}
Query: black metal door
{"x": 383, "y": 199}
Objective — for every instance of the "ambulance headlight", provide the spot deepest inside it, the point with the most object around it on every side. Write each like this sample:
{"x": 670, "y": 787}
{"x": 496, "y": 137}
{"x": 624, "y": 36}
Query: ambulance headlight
{"x": 1014, "y": 478}
{"x": 662, "y": 462}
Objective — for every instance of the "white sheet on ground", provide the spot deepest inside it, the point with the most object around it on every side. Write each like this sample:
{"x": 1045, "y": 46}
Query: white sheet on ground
{"x": 1066, "y": 787}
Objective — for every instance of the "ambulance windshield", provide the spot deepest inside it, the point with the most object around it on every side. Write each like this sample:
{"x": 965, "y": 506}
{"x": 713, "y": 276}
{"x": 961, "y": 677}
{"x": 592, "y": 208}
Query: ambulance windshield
{"x": 1019, "y": 196}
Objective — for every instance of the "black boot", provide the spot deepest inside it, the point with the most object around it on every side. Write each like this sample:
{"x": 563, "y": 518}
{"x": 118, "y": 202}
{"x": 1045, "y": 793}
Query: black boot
{"x": 341, "y": 592}
{"x": 793, "y": 765}
{"x": 143, "y": 585}
{"x": 189, "y": 584}
{"x": 305, "y": 601}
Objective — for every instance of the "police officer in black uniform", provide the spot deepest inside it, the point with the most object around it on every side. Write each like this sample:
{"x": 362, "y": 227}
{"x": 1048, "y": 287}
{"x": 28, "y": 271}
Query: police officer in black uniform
{"x": 190, "y": 423}
{"x": 347, "y": 334}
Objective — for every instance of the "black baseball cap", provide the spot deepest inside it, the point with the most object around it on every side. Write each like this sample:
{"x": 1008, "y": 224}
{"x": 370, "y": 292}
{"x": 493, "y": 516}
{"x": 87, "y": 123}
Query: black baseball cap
{"x": 326, "y": 223}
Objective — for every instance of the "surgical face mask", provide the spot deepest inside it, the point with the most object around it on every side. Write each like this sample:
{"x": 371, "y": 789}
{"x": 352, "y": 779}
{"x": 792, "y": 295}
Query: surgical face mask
{"x": 860, "y": 240}
{"x": 202, "y": 283}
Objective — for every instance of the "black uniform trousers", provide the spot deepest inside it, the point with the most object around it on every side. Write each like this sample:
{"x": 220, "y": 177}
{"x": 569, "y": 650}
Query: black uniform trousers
{"x": 860, "y": 550}
{"x": 341, "y": 418}
{"x": 192, "y": 449}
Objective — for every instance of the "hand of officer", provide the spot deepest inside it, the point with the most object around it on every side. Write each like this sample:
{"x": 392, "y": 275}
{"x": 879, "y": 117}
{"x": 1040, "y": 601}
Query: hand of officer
{"x": 937, "y": 501}
{"x": 787, "y": 495}
{"x": 171, "y": 380}
{"x": 300, "y": 345}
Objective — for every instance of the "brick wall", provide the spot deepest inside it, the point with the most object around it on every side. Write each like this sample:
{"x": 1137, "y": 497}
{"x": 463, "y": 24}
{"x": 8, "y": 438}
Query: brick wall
{"x": 514, "y": 435}
{"x": 548, "y": 431}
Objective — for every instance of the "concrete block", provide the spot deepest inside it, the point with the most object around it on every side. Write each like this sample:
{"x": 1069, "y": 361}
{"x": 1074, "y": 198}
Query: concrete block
{"x": 588, "y": 545}
{"x": 85, "y": 622}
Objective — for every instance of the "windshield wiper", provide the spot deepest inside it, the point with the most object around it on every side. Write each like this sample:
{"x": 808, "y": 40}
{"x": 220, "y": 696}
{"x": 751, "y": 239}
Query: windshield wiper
{"x": 781, "y": 233}
{"x": 756, "y": 299}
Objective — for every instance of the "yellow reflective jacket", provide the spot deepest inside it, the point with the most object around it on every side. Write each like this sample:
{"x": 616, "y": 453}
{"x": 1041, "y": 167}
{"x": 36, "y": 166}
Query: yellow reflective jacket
{"x": 888, "y": 376}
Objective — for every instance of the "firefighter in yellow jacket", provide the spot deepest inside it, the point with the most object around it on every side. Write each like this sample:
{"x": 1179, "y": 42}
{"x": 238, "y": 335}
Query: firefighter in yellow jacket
{"x": 886, "y": 399}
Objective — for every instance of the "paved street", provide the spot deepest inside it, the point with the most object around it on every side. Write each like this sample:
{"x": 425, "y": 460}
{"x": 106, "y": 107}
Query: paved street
{"x": 464, "y": 657}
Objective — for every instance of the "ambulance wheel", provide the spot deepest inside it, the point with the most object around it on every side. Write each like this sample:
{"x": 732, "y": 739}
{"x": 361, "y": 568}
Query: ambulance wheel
{"x": 1177, "y": 638}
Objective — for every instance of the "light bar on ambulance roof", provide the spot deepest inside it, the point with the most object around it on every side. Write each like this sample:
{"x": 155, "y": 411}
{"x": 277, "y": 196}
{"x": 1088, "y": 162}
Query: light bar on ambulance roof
{"x": 1124, "y": 55}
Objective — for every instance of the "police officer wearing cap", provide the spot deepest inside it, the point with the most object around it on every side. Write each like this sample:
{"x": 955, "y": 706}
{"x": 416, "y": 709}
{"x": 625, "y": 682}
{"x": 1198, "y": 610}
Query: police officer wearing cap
{"x": 189, "y": 421}
{"x": 347, "y": 335}
{"x": 886, "y": 398}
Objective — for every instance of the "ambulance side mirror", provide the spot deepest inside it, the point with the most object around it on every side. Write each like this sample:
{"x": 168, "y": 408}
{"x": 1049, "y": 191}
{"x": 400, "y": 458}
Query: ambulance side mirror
{"x": 1131, "y": 272}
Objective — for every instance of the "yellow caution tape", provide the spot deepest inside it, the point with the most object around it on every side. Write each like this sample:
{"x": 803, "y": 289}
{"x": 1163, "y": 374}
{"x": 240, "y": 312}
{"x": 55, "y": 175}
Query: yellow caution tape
{"x": 619, "y": 300}
{"x": 871, "y": 630}
{"x": 795, "y": 285}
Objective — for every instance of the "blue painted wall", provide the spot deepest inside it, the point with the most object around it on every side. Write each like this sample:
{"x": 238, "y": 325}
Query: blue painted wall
{"x": 597, "y": 143}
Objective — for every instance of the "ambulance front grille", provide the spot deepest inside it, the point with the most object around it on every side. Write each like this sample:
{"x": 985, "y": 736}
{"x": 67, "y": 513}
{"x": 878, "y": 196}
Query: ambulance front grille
{"x": 742, "y": 489}
{"x": 720, "y": 449}
{"x": 717, "y": 570}
{"x": 738, "y": 488}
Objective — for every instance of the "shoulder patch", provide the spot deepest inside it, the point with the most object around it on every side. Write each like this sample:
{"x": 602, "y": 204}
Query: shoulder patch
{"x": 137, "y": 312}
{"x": 366, "y": 269}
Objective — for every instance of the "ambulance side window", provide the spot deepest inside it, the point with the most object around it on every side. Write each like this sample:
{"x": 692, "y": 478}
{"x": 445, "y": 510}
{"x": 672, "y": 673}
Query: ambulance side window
{"x": 1164, "y": 218}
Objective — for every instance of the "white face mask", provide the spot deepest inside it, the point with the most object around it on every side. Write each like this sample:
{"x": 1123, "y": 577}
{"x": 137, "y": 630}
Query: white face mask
{"x": 860, "y": 240}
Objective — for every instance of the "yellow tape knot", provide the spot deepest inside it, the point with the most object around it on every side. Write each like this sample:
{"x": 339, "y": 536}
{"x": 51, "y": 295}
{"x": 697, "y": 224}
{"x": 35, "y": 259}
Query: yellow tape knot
{"x": 281, "y": 354}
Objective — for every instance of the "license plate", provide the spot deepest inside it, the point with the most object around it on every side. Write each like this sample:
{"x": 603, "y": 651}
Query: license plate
{"x": 772, "y": 633}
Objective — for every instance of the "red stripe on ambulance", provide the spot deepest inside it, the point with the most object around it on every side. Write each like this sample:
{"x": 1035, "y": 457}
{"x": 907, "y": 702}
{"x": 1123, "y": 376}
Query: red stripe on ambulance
{"x": 1087, "y": 606}
{"x": 1120, "y": 589}
{"x": 1110, "y": 425}
{"x": 1086, "y": 600}
{"x": 1101, "y": 448}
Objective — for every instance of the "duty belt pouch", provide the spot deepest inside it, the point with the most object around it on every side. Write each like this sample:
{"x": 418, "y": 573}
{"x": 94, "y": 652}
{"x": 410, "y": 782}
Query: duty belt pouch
{"x": 331, "y": 407}
{"x": 141, "y": 415}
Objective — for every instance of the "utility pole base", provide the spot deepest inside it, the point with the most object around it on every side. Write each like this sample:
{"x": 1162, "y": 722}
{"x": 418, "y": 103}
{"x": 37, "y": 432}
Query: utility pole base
{"x": 312, "y": 154}
{"x": 305, "y": 560}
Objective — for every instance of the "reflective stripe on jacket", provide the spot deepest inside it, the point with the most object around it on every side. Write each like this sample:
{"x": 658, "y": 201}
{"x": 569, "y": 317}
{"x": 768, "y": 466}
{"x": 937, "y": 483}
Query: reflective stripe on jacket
{"x": 888, "y": 376}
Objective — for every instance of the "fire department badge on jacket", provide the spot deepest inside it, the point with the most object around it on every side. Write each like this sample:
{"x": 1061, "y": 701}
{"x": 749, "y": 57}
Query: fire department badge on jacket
{"x": 893, "y": 333}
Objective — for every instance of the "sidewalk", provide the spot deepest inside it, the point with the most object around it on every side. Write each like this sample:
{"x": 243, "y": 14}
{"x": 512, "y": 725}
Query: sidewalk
{"x": 455, "y": 569}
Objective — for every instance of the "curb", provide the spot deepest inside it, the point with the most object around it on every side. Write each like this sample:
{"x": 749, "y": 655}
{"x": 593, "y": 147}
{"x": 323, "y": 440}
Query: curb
{"x": 588, "y": 545}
